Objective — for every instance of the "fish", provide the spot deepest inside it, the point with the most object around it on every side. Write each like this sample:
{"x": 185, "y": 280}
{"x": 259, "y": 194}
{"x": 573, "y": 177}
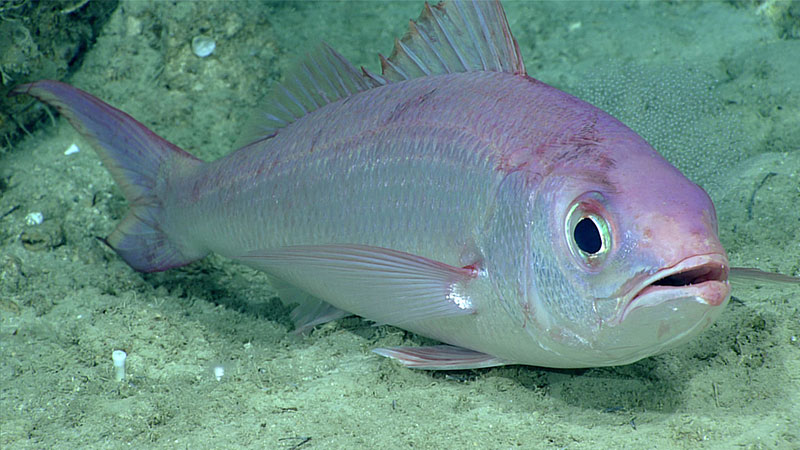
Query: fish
{"x": 452, "y": 195}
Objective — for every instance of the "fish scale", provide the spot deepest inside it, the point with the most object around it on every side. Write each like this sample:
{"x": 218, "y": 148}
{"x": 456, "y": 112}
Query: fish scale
{"x": 389, "y": 173}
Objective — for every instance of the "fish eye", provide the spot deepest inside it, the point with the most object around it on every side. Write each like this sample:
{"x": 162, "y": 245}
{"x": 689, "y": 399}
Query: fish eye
{"x": 587, "y": 236}
{"x": 587, "y": 231}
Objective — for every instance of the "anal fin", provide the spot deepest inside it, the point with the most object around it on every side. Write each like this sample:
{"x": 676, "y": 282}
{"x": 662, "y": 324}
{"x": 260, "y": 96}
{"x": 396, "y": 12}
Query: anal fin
{"x": 310, "y": 311}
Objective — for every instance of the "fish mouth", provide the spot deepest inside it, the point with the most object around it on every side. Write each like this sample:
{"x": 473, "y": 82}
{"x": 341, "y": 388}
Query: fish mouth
{"x": 703, "y": 278}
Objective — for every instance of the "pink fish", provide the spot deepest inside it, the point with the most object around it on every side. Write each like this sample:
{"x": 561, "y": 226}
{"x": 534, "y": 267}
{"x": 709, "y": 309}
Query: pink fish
{"x": 453, "y": 196}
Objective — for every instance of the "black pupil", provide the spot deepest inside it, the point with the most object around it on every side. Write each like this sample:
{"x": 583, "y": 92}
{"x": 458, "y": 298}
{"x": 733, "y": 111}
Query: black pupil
{"x": 587, "y": 236}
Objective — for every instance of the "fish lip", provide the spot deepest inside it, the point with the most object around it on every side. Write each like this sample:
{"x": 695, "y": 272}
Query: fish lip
{"x": 701, "y": 276}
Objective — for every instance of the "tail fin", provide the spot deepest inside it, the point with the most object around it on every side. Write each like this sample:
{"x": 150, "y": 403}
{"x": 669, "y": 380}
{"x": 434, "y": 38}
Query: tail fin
{"x": 136, "y": 158}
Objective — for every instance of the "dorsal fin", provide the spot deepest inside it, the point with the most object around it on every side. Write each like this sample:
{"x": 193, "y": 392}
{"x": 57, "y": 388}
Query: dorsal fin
{"x": 451, "y": 37}
{"x": 454, "y": 37}
{"x": 323, "y": 76}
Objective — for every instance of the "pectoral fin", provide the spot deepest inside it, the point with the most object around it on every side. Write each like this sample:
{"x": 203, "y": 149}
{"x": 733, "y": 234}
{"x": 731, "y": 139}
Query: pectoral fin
{"x": 380, "y": 284}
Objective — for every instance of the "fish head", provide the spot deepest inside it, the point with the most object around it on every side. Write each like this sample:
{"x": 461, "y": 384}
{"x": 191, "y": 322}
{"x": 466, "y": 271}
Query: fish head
{"x": 637, "y": 265}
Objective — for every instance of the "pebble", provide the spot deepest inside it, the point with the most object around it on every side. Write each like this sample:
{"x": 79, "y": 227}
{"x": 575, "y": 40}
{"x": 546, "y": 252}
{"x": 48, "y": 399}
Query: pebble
{"x": 72, "y": 149}
{"x": 203, "y": 46}
{"x": 34, "y": 218}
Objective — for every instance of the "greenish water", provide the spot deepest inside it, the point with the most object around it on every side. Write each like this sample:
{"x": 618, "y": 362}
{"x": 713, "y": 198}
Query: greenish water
{"x": 714, "y": 86}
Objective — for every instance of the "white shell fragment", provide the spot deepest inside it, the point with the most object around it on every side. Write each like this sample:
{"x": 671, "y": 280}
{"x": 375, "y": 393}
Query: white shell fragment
{"x": 203, "y": 46}
{"x": 72, "y": 149}
{"x": 34, "y": 218}
{"x": 219, "y": 372}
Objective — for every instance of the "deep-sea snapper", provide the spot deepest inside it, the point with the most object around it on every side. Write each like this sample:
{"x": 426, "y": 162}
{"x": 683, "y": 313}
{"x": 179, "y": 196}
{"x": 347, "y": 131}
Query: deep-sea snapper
{"x": 452, "y": 196}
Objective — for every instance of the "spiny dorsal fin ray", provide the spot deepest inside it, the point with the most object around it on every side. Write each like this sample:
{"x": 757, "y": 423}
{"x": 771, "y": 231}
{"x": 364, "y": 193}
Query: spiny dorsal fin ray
{"x": 455, "y": 37}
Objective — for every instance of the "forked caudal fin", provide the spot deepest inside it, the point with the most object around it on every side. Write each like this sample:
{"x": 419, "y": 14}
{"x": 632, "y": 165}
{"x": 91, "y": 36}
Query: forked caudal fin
{"x": 137, "y": 159}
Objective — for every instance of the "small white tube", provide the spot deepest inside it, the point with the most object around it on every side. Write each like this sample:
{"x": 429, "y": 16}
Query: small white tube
{"x": 118, "y": 356}
{"x": 219, "y": 372}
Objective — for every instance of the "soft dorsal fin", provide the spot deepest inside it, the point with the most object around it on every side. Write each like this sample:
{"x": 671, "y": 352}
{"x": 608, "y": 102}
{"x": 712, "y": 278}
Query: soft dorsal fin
{"x": 323, "y": 76}
{"x": 455, "y": 37}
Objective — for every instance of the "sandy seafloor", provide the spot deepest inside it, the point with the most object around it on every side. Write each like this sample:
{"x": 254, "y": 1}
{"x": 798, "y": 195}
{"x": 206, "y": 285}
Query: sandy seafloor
{"x": 66, "y": 302}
